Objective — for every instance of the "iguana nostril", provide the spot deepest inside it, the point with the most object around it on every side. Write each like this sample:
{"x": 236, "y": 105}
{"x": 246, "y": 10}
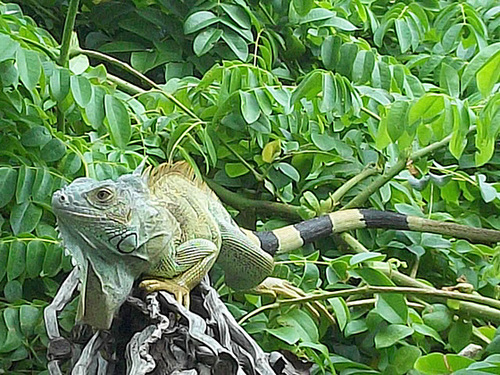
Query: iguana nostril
{"x": 60, "y": 197}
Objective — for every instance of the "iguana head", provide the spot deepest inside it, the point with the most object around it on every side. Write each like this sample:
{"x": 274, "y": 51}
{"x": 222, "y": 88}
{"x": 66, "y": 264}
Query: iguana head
{"x": 104, "y": 225}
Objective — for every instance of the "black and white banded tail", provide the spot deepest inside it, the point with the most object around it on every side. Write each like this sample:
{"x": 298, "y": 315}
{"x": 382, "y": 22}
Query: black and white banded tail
{"x": 294, "y": 236}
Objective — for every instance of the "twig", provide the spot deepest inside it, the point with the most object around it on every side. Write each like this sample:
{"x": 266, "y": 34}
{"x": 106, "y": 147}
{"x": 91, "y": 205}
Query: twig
{"x": 143, "y": 78}
{"x": 335, "y": 198}
{"x": 467, "y": 308}
{"x": 241, "y": 203}
{"x": 381, "y": 180}
{"x": 488, "y": 305}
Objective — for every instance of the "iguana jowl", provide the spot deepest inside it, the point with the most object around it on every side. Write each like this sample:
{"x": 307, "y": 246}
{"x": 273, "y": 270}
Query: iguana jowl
{"x": 168, "y": 227}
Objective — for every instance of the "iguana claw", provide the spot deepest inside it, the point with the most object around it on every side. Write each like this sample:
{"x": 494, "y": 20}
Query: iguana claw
{"x": 181, "y": 293}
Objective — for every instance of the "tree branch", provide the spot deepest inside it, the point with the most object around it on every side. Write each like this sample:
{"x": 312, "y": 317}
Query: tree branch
{"x": 241, "y": 203}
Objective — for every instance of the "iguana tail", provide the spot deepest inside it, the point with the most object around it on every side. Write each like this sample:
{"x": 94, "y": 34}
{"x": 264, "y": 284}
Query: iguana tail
{"x": 294, "y": 236}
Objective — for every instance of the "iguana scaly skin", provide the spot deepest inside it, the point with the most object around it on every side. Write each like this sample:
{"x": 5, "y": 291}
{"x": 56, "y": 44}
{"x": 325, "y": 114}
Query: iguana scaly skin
{"x": 167, "y": 227}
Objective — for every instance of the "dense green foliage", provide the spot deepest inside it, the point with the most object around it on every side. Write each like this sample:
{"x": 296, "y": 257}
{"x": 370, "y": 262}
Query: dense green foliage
{"x": 282, "y": 100}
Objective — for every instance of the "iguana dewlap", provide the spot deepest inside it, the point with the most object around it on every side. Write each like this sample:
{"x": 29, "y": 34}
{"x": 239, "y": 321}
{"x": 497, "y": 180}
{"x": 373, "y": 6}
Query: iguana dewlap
{"x": 167, "y": 226}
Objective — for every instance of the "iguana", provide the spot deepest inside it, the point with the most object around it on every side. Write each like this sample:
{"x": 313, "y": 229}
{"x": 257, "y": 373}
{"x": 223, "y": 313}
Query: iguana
{"x": 166, "y": 226}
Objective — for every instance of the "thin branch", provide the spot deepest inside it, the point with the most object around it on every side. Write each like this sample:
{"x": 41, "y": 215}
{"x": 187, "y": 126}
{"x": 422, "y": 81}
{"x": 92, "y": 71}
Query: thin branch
{"x": 371, "y": 114}
{"x": 69, "y": 25}
{"x": 335, "y": 198}
{"x": 143, "y": 78}
{"x": 370, "y": 289}
{"x": 241, "y": 203}
{"x": 467, "y": 308}
{"x": 381, "y": 180}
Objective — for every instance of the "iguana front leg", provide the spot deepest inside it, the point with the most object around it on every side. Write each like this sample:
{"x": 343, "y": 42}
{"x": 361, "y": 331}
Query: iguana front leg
{"x": 192, "y": 261}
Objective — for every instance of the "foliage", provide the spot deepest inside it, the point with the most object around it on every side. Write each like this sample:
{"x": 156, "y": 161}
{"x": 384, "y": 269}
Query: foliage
{"x": 277, "y": 100}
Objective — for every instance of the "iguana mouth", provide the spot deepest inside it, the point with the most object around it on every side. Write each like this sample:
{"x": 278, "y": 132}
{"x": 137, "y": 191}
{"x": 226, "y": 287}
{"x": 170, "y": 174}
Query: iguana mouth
{"x": 77, "y": 213}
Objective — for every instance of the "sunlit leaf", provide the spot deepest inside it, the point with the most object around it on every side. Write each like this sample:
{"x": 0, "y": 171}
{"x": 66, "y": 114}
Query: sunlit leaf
{"x": 118, "y": 121}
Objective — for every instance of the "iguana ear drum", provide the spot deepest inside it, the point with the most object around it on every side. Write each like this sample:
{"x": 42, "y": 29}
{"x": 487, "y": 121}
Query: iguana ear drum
{"x": 128, "y": 243}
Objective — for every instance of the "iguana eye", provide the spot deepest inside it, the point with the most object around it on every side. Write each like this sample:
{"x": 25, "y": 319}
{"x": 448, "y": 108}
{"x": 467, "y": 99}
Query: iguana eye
{"x": 104, "y": 195}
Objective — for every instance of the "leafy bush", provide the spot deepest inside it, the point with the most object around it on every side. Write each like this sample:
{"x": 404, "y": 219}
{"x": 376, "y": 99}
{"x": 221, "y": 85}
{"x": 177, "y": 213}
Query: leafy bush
{"x": 315, "y": 105}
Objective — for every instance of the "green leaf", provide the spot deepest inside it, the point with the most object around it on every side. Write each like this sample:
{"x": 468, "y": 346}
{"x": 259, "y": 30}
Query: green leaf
{"x": 235, "y": 169}
{"x": 449, "y": 80}
{"x": 428, "y": 331}
{"x": 426, "y": 108}
{"x": 404, "y": 34}
{"x": 488, "y": 75}
{"x": 477, "y": 63}
{"x": 13, "y": 291}
{"x": 237, "y": 14}
{"x": 4, "y": 256}
{"x": 53, "y": 261}
{"x": 354, "y": 327}
{"x": 79, "y": 64}
{"x": 43, "y": 185}
{"x": 329, "y": 93}
{"x": 287, "y": 334}
{"x": 391, "y": 334}
{"x": 271, "y": 151}
{"x": 341, "y": 311}
{"x": 440, "y": 364}
{"x": 8, "y": 178}
{"x": 25, "y": 180}
{"x": 29, "y": 317}
{"x": 392, "y": 307}
{"x": 24, "y": 217}
{"x": 488, "y": 191}
{"x": 14, "y": 338}
{"x": 8, "y": 47}
{"x": 339, "y": 23}
{"x": 405, "y": 358}
{"x": 198, "y": 21}
{"x": 9, "y": 75}
{"x": 94, "y": 111}
{"x": 460, "y": 335}
{"x": 302, "y": 323}
{"x": 81, "y": 90}
{"x": 37, "y": 136}
{"x": 330, "y": 51}
{"x": 323, "y": 141}
{"x": 16, "y": 262}
{"x": 249, "y": 107}
{"x": 302, "y": 7}
{"x": 205, "y": 41}
{"x": 118, "y": 121}
{"x": 59, "y": 84}
{"x": 451, "y": 37}
{"x": 29, "y": 67}
{"x": 366, "y": 257}
{"x": 396, "y": 119}
{"x": 53, "y": 150}
{"x": 35, "y": 254}
{"x": 310, "y": 86}
{"x": 236, "y": 43}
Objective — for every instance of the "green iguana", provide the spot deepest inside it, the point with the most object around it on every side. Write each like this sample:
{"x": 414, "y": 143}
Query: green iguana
{"x": 168, "y": 228}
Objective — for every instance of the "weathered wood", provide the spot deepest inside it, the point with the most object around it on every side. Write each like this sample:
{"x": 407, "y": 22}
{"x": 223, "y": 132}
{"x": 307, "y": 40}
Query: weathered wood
{"x": 156, "y": 335}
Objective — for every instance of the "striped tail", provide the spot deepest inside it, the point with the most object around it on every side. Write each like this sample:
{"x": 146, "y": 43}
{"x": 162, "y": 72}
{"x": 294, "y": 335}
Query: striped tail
{"x": 294, "y": 236}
